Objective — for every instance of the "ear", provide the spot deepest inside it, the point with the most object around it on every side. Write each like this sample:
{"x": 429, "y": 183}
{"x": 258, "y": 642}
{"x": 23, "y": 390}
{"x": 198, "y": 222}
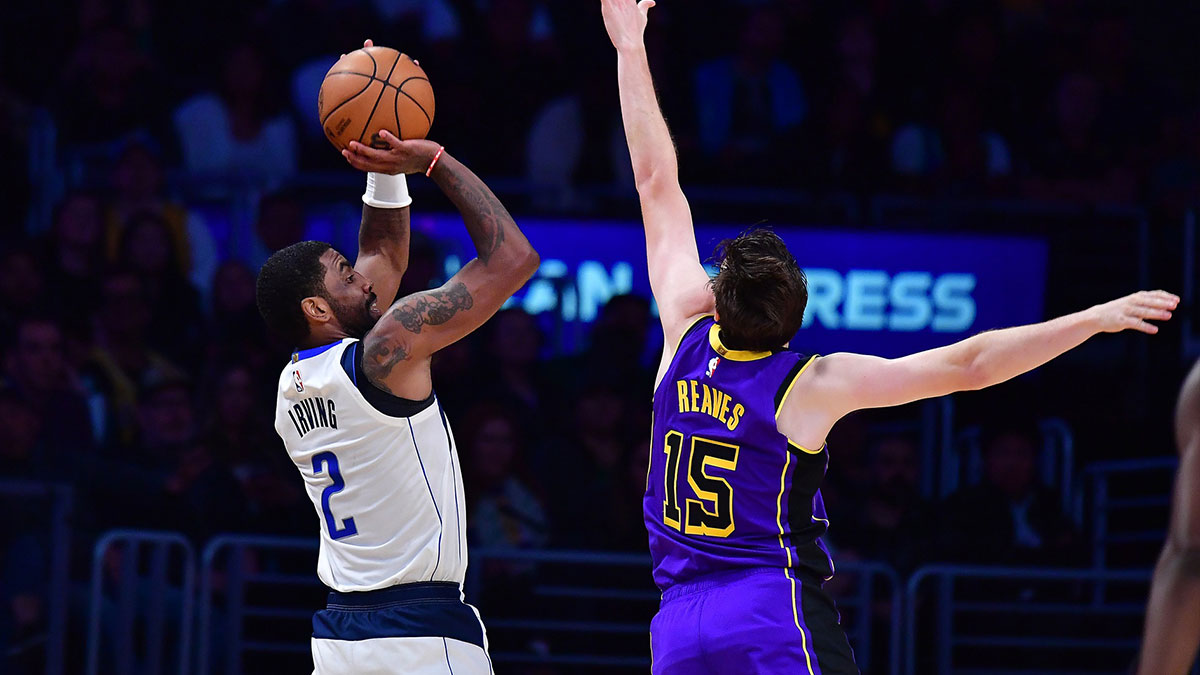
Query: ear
{"x": 316, "y": 309}
{"x": 716, "y": 316}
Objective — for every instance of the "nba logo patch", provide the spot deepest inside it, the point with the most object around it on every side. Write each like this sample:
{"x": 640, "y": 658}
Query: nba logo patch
{"x": 299, "y": 382}
{"x": 712, "y": 366}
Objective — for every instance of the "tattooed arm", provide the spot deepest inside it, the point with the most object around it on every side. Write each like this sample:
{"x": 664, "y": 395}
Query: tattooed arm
{"x": 383, "y": 249}
{"x": 398, "y": 349}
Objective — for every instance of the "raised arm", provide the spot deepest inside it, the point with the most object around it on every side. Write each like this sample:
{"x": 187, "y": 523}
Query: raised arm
{"x": 677, "y": 278}
{"x": 383, "y": 239}
{"x": 397, "y": 350}
{"x": 1172, "y": 632}
{"x": 836, "y": 385}
{"x": 383, "y": 235}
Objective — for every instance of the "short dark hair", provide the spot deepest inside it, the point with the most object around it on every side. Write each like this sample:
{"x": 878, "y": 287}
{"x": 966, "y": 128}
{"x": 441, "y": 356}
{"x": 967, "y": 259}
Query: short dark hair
{"x": 290, "y": 275}
{"x": 761, "y": 292}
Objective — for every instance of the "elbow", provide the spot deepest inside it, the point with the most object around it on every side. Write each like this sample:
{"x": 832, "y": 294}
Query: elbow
{"x": 974, "y": 377}
{"x": 654, "y": 179}
{"x": 528, "y": 264}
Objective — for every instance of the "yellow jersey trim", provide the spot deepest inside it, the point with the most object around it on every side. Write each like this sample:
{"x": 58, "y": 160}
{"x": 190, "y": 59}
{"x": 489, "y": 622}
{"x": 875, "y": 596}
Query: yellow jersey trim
{"x": 792, "y": 385}
{"x": 714, "y": 340}
{"x": 805, "y": 450}
{"x": 787, "y": 570}
{"x": 692, "y": 325}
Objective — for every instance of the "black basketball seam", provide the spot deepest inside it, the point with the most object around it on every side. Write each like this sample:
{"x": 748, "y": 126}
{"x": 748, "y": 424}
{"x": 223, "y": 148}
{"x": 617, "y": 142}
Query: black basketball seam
{"x": 374, "y": 69}
{"x": 376, "y": 106}
{"x": 396, "y": 112}
{"x": 374, "y": 64}
{"x": 351, "y": 98}
{"x": 419, "y": 106}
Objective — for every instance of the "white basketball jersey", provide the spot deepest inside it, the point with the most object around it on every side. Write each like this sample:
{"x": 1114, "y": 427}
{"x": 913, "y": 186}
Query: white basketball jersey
{"x": 388, "y": 490}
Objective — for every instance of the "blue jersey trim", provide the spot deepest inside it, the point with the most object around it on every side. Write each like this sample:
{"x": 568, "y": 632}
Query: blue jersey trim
{"x": 431, "y": 609}
{"x": 314, "y": 351}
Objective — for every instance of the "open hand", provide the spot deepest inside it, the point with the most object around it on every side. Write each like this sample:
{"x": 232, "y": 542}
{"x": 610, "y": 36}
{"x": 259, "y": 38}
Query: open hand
{"x": 399, "y": 157}
{"x": 625, "y": 21}
{"x": 1133, "y": 312}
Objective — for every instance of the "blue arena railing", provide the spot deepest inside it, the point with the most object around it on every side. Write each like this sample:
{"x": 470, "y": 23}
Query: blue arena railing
{"x": 60, "y": 498}
{"x": 1130, "y": 502}
{"x": 1014, "y": 621}
{"x": 154, "y": 597}
{"x": 571, "y": 598}
{"x": 228, "y": 621}
{"x": 962, "y": 461}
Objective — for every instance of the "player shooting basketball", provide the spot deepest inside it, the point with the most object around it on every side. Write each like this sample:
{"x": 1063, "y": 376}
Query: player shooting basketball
{"x": 1173, "y": 614}
{"x": 733, "y": 505}
{"x": 358, "y": 415}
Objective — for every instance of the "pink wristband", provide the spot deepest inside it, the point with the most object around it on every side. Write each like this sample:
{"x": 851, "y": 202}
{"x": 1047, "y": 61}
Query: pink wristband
{"x": 435, "y": 160}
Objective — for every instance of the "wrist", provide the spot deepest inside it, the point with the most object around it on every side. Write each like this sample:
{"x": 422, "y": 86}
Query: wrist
{"x": 1092, "y": 319}
{"x": 386, "y": 191}
{"x": 632, "y": 49}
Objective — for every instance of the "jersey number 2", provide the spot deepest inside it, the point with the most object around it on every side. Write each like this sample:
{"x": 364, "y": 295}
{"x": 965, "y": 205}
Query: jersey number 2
{"x": 328, "y": 461}
{"x": 695, "y": 517}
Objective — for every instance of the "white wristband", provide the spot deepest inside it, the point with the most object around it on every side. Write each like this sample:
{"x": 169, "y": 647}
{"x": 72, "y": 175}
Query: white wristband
{"x": 385, "y": 191}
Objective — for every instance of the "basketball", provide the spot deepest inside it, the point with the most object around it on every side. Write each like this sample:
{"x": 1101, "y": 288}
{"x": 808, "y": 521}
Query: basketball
{"x": 372, "y": 89}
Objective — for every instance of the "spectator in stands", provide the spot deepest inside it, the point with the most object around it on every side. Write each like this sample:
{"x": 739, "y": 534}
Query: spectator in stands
{"x": 512, "y": 371}
{"x": 137, "y": 186}
{"x": 1174, "y": 181}
{"x": 959, "y": 155}
{"x": 845, "y": 147}
{"x": 750, "y": 104}
{"x": 36, "y": 368}
{"x": 76, "y": 255}
{"x": 122, "y": 355}
{"x": 577, "y": 139}
{"x": 893, "y": 522}
{"x": 1024, "y": 520}
{"x": 235, "y": 331}
{"x": 146, "y": 249}
{"x": 1077, "y": 163}
{"x": 24, "y": 548}
{"x": 594, "y": 454}
{"x": 110, "y": 90}
{"x": 280, "y": 223}
{"x": 167, "y": 479}
{"x": 240, "y": 437}
{"x": 503, "y": 511}
{"x": 22, "y": 286}
{"x": 239, "y": 131}
{"x": 513, "y": 49}
{"x": 23, "y": 426}
{"x": 619, "y": 353}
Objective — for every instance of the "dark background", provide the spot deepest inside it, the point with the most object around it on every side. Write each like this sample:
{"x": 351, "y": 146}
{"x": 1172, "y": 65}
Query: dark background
{"x": 153, "y": 153}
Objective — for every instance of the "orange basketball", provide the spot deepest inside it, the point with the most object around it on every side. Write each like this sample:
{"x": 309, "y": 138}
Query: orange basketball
{"x": 372, "y": 89}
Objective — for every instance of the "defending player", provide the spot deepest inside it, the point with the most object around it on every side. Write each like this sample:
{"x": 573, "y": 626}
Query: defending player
{"x": 357, "y": 413}
{"x": 733, "y": 506}
{"x": 1173, "y": 614}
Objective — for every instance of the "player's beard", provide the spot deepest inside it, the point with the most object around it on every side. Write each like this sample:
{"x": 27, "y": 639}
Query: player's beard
{"x": 356, "y": 319}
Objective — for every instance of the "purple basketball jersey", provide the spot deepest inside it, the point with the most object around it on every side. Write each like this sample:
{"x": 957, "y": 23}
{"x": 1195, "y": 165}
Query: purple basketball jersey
{"x": 725, "y": 489}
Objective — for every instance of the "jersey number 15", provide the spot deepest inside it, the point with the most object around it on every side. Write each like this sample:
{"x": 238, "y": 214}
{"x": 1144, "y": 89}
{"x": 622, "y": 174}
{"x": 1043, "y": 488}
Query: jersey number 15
{"x": 696, "y": 517}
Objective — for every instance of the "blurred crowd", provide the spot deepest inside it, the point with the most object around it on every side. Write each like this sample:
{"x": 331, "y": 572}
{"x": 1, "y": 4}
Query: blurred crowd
{"x": 1050, "y": 100}
{"x": 135, "y": 366}
{"x": 155, "y": 407}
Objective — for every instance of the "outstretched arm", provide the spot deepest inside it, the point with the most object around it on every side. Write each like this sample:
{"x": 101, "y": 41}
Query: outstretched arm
{"x": 677, "y": 278}
{"x": 397, "y": 350}
{"x": 1172, "y": 632}
{"x": 838, "y": 384}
